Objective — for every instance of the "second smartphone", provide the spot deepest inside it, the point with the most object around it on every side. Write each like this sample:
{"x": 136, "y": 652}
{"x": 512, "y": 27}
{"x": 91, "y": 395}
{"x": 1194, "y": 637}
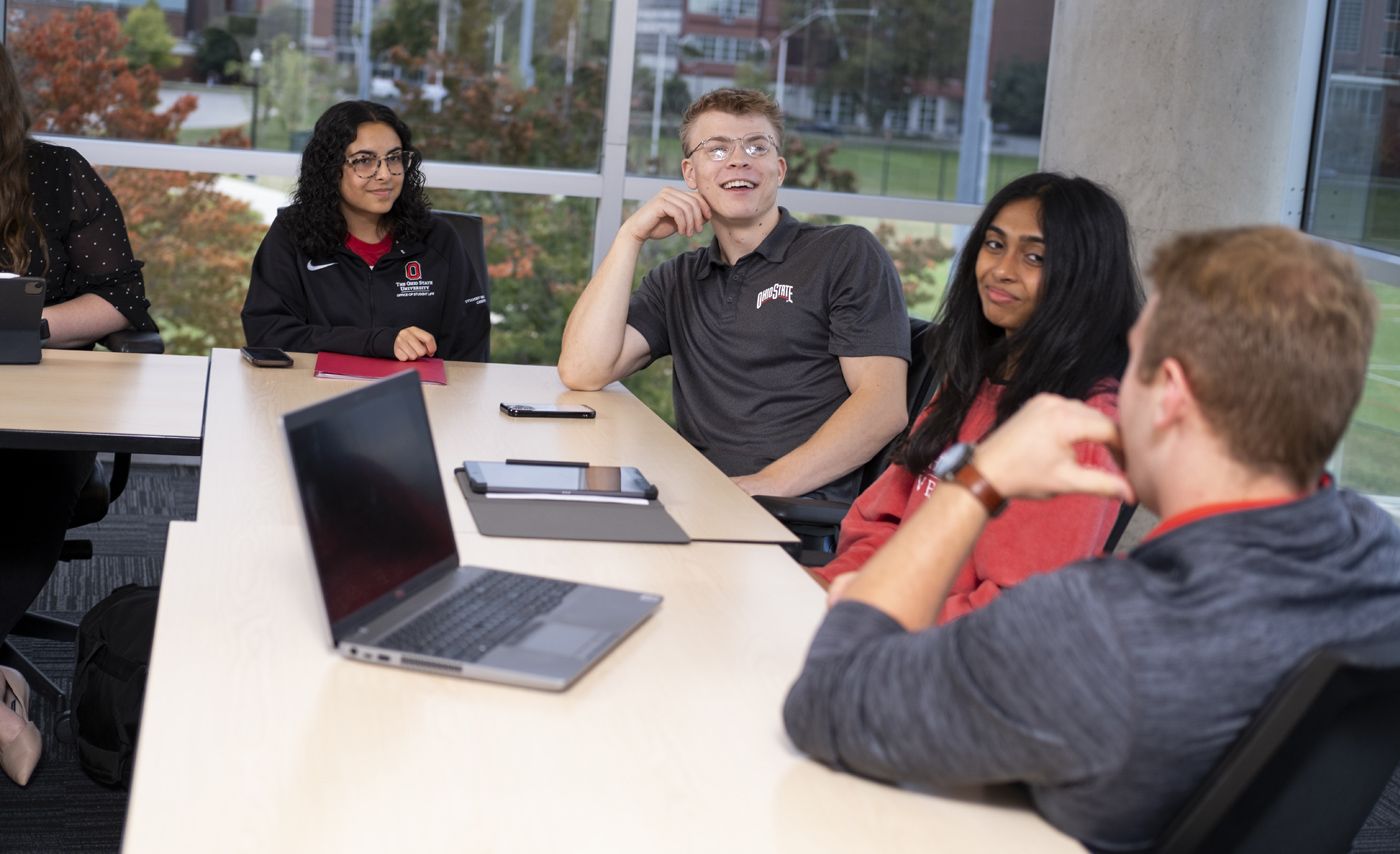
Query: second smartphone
{"x": 548, "y": 410}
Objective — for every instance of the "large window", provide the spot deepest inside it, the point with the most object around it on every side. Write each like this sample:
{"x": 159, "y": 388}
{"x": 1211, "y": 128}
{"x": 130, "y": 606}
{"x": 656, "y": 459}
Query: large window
{"x": 874, "y": 94}
{"x": 521, "y": 108}
{"x": 1354, "y": 197}
{"x": 519, "y": 83}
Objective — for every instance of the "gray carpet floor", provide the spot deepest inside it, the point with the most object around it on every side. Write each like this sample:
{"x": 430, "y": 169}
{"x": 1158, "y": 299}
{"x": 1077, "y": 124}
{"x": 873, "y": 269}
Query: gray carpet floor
{"x": 63, "y": 810}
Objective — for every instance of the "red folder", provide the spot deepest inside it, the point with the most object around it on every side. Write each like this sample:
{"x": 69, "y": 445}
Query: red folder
{"x": 342, "y": 366}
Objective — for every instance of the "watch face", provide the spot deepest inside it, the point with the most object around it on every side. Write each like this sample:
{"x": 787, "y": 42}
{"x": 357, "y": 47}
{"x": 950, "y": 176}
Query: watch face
{"x": 952, "y": 459}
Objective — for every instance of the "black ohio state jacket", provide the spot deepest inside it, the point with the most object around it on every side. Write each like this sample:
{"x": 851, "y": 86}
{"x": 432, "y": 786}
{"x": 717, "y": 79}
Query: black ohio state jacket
{"x": 339, "y": 304}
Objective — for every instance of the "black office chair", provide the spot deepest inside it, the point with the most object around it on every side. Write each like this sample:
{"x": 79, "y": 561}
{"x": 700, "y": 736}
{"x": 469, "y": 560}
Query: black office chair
{"x": 1309, "y": 768}
{"x": 817, "y": 522}
{"x": 472, "y": 233}
{"x": 99, "y": 491}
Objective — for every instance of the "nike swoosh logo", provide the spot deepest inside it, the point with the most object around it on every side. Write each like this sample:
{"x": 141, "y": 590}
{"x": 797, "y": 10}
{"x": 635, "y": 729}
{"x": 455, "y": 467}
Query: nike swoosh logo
{"x": 314, "y": 267}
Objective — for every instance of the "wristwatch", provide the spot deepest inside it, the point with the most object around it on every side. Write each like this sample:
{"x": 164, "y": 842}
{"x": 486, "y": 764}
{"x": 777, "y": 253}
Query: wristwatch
{"x": 43, "y": 329}
{"x": 955, "y": 464}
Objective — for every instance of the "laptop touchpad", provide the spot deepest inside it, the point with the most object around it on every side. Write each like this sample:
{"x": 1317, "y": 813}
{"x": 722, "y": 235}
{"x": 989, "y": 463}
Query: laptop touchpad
{"x": 561, "y": 639}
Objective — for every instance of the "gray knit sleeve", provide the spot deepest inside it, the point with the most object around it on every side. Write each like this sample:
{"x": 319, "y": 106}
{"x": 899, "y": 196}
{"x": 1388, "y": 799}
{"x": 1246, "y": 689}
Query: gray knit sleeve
{"x": 1032, "y": 688}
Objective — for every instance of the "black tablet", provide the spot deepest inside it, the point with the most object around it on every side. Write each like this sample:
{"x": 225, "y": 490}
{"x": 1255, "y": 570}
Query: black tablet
{"x": 544, "y": 479}
{"x": 21, "y": 307}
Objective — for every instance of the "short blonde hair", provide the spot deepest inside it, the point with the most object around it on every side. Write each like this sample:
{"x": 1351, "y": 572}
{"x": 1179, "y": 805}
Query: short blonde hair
{"x": 736, "y": 102}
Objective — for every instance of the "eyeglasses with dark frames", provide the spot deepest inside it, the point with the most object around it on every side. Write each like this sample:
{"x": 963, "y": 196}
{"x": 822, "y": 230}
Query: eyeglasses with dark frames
{"x": 366, "y": 165}
{"x": 719, "y": 148}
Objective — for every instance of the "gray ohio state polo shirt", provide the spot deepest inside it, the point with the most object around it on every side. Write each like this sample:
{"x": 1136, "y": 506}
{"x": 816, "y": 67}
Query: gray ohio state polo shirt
{"x": 755, "y": 345}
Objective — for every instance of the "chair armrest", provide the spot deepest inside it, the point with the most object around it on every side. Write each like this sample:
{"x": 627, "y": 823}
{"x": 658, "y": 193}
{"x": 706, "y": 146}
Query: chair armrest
{"x": 132, "y": 341}
{"x": 804, "y": 511}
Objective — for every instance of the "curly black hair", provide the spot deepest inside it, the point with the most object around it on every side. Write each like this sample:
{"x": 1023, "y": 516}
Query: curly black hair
{"x": 315, "y": 220}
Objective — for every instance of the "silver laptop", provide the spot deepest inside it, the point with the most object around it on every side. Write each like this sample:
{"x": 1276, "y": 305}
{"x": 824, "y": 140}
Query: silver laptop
{"x": 395, "y": 594}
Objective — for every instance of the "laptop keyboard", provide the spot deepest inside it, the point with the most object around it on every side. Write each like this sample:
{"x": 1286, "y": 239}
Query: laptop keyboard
{"x": 479, "y": 617}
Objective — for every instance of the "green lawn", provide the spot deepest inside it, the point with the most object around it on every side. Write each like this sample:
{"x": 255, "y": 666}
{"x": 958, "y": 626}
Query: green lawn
{"x": 1371, "y": 451}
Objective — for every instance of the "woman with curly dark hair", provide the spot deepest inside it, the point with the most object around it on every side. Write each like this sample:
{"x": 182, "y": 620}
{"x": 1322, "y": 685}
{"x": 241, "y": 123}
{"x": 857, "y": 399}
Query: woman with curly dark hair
{"x": 358, "y": 264}
{"x": 58, "y": 221}
{"x": 1042, "y": 299}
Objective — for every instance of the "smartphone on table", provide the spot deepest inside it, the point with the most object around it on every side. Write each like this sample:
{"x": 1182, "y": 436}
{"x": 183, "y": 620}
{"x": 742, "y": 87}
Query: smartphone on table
{"x": 267, "y": 357}
{"x": 548, "y": 410}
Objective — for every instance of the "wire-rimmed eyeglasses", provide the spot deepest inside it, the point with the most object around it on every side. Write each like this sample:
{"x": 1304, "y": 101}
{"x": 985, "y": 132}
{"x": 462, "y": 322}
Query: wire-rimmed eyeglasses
{"x": 719, "y": 148}
{"x": 366, "y": 165}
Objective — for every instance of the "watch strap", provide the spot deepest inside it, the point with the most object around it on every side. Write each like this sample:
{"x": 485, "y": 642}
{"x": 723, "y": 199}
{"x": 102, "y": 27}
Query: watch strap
{"x": 972, "y": 480}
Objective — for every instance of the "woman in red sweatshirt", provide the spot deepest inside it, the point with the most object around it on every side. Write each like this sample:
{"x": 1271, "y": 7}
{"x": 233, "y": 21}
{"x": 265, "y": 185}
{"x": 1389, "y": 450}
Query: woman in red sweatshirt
{"x": 1042, "y": 298}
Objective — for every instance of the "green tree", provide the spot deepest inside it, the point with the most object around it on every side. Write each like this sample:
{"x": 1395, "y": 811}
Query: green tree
{"x": 294, "y": 88}
{"x": 409, "y": 25}
{"x": 1018, "y": 96}
{"x": 882, "y": 60}
{"x": 675, "y": 96}
{"x": 149, "y": 41}
{"x": 218, "y": 56}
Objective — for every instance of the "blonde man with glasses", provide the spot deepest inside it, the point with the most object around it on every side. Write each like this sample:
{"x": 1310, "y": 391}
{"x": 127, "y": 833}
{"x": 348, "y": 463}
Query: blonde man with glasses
{"x": 358, "y": 264}
{"x": 790, "y": 341}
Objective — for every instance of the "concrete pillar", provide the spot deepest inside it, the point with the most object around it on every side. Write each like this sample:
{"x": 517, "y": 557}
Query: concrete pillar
{"x": 1195, "y": 112}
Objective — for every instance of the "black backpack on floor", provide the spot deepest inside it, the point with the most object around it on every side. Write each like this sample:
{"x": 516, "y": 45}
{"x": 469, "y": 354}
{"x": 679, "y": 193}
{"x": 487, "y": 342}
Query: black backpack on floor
{"x": 109, "y": 682}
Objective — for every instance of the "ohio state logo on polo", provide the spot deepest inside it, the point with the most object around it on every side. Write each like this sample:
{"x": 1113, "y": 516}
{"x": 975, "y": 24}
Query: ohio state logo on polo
{"x": 413, "y": 284}
{"x": 776, "y": 292}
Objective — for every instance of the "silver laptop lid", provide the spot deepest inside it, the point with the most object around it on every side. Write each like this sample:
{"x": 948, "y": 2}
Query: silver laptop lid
{"x": 372, "y": 497}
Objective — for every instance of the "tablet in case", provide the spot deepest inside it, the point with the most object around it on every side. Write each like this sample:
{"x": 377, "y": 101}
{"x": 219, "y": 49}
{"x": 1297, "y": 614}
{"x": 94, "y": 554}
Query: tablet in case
{"x": 548, "y": 478}
{"x": 21, "y": 307}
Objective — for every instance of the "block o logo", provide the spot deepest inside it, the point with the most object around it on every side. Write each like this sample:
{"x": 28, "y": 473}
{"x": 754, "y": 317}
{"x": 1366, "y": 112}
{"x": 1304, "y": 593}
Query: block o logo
{"x": 412, "y": 270}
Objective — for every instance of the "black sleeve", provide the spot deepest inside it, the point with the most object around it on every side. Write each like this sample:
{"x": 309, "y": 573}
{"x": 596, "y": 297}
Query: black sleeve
{"x": 1032, "y": 688}
{"x": 465, "y": 331}
{"x": 868, "y": 314}
{"x": 275, "y": 312}
{"x": 99, "y": 252}
{"x": 646, "y": 311}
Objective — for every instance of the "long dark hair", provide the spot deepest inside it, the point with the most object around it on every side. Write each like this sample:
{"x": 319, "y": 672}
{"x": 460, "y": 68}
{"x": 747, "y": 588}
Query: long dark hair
{"x": 315, "y": 220}
{"x": 16, "y": 202}
{"x": 1077, "y": 335}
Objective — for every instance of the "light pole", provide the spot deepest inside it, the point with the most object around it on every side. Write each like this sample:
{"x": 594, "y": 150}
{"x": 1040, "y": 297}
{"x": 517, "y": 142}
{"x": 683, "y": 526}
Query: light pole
{"x": 829, "y": 14}
{"x": 255, "y": 59}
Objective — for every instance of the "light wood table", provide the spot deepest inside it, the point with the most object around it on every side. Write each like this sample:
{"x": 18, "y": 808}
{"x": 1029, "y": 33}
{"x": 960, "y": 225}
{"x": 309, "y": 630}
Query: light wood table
{"x": 245, "y": 477}
{"x": 80, "y": 400}
{"x": 257, "y": 737}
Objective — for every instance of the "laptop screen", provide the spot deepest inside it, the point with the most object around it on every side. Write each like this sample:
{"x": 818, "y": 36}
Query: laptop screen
{"x": 370, "y": 491}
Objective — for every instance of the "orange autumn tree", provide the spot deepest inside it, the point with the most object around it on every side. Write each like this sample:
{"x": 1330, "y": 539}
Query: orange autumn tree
{"x": 78, "y": 81}
{"x": 197, "y": 243}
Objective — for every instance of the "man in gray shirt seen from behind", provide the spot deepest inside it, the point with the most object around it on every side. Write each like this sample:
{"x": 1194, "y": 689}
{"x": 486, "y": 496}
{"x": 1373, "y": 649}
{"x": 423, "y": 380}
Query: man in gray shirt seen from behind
{"x": 1111, "y": 687}
{"x": 790, "y": 341}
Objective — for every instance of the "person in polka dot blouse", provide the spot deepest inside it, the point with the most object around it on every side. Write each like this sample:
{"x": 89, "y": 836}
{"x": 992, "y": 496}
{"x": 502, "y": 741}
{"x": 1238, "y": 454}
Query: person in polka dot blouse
{"x": 58, "y": 220}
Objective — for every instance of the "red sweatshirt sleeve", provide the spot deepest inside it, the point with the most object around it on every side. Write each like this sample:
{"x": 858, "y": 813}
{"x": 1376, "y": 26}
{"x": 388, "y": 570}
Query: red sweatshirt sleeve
{"x": 871, "y": 521}
{"x": 1031, "y": 537}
